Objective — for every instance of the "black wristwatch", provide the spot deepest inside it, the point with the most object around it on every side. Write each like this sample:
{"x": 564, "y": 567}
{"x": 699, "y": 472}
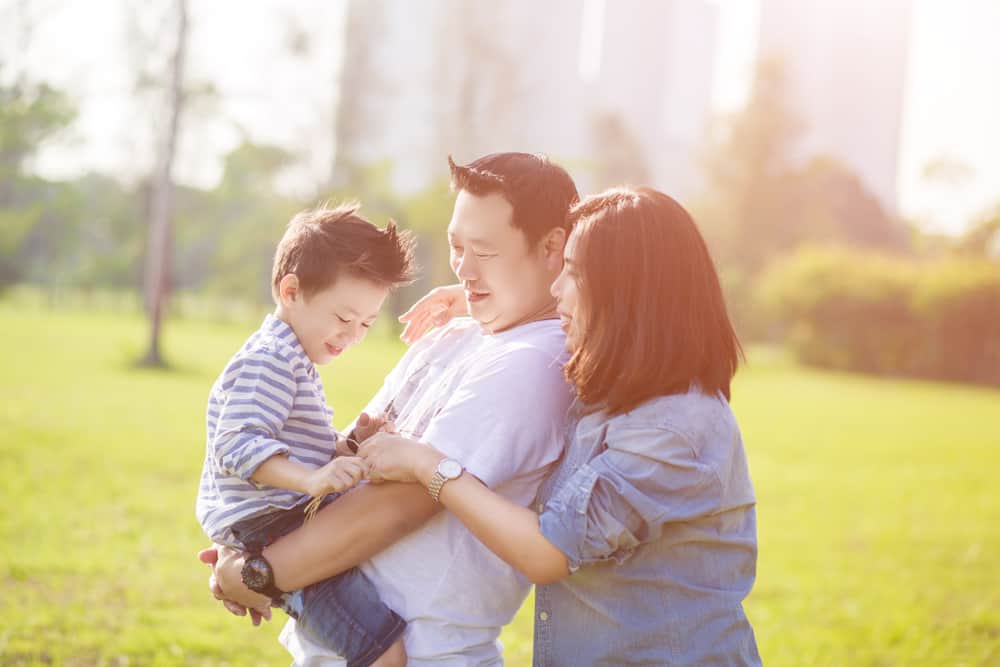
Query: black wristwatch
{"x": 259, "y": 577}
{"x": 352, "y": 441}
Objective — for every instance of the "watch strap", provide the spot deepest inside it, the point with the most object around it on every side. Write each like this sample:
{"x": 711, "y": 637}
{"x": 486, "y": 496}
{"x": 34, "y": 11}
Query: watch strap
{"x": 434, "y": 488}
{"x": 255, "y": 566}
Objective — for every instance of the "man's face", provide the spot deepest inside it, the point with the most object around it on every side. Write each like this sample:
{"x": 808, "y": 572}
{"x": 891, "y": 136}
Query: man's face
{"x": 333, "y": 319}
{"x": 506, "y": 282}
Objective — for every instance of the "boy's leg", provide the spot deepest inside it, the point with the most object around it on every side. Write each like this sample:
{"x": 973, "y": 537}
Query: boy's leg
{"x": 346, "y": 614}
{"x": 259, "y": 531}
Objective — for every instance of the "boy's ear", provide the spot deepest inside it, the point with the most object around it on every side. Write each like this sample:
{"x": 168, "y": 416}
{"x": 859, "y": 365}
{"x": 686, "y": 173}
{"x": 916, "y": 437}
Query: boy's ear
{"x": 288, "y": 289}
{"x": 552, "y": 247}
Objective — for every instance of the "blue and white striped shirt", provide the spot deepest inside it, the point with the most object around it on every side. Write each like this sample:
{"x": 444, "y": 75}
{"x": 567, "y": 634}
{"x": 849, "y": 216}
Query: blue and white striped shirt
{"x": 268, "y": 400}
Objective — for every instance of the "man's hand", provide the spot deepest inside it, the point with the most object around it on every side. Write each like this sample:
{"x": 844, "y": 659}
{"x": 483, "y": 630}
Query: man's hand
{"x": 337, "y": 476}
{"x": 258, "y": 605}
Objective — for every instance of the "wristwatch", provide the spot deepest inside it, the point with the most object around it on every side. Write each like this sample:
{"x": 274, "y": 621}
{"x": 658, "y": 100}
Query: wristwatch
{"x": 447, "y": 470}
{"x": 259, "y": 577}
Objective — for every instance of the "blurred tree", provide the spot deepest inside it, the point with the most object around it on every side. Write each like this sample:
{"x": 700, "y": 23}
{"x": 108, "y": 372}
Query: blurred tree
{"x": 618, "y": 154}
{"x": 362, "y": 89}
{"x": 157, "y": 274}
{"x": 477, "y": 80}
{"x": 746, "y": 175}
{"x": 29, "y": 115}
{"x": 983, "y": 238}
{"x": 761, "y": 201}
{"x": 228, "y": 239}
{"x": 830, "y": 203}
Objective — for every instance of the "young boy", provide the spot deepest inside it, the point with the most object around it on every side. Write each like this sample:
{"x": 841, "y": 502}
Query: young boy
{"x": 270, "y": 438}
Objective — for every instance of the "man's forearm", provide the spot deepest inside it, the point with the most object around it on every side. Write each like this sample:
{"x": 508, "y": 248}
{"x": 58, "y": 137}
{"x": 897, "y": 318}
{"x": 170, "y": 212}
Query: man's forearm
{"x": 348, "y": 532}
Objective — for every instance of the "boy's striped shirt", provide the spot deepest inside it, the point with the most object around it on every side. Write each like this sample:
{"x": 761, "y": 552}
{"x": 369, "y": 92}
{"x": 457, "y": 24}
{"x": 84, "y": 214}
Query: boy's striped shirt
{"x": 268, "y": 400}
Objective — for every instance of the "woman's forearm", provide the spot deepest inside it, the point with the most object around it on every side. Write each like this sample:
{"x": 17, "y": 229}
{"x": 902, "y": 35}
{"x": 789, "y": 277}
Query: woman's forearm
{"x": 506, "y": 528}
{"x": 348, "y": 532}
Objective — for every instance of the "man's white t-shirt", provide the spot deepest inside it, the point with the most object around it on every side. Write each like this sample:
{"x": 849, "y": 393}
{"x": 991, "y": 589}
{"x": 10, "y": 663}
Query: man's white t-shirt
{"x": 497, "y": 403}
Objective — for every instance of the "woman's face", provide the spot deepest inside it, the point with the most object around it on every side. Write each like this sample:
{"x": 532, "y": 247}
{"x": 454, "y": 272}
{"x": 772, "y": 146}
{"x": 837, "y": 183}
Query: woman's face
{"x": 567, "y": 293}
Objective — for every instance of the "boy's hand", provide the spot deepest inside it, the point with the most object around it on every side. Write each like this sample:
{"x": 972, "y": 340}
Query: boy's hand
{"x": 435, "y": 309}
{"x": 367, "y": 425}
{"x": 364, "y": 427}
{"x": 337, "y": 476}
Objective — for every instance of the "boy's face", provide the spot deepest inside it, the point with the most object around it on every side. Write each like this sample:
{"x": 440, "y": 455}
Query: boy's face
{"x": 506, "y": 281}
{"x": 333, "y": 319}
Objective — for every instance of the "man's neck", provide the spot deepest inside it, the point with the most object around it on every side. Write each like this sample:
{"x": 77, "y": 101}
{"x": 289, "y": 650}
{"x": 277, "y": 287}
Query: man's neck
{"x": 546, "y": 312}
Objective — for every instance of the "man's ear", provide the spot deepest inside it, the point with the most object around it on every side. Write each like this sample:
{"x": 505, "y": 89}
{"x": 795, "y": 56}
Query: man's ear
{"x": 552, "y": 245}
{"x": 288, "y": 289}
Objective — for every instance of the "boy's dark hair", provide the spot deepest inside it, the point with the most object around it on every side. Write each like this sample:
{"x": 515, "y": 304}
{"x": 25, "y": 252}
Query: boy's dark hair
{"x": 539, "y": 191}
{"x": 321, "y": 243}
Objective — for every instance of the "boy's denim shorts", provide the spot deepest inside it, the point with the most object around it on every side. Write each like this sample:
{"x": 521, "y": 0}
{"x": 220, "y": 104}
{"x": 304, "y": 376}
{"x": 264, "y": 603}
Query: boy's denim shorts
{"x": 342, "y": 613}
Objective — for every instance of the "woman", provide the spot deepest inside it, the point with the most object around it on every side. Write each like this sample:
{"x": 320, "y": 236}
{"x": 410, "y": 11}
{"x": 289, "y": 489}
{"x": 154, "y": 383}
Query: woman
{"x": 643, "y": 541}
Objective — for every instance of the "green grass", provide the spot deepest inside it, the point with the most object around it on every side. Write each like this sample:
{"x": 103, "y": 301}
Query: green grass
{"x": 878, "y": 510}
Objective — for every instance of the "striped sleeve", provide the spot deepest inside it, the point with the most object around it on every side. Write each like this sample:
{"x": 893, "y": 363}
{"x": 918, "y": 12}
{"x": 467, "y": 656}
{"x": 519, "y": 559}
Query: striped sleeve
{"x": 259, "y": 390}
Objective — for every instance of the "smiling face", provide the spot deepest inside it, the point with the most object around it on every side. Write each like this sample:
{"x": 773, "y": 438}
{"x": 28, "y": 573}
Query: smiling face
{"x": 566, "y": 290}
{"x": 330, "y": 320}
{"x": 506, "y": 281}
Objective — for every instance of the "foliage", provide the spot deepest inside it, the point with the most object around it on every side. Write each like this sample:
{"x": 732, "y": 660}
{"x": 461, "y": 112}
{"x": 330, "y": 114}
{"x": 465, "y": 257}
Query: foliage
{"x": 762, "y": 200}
{"x": 29, "y": 115}
{"x": 868, "y": 312}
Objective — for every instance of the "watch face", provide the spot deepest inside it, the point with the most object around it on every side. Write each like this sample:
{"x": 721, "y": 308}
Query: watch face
{"x": 256, "y": 574}
{"x": 450, "y": 468}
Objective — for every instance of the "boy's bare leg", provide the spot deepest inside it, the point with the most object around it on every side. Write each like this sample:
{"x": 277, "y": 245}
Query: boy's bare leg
{"x": 395, "y": 656}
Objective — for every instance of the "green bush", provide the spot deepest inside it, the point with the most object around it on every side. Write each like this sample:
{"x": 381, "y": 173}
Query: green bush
{"x": 852, "y": 310}
{"x": 958, "y": 304}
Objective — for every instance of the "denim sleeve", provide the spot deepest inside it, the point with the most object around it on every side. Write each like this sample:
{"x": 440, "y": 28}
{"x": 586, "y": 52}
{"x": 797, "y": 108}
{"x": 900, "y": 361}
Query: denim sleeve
{"x": 620, "y": 499}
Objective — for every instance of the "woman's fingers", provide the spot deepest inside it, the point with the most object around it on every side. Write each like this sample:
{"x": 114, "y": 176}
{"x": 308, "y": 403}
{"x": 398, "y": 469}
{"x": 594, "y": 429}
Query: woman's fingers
{"x": 415, "y": 329}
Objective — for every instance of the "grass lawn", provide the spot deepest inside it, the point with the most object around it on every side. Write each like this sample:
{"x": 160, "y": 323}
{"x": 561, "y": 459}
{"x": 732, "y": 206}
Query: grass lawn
{"x": 878, "y": 508}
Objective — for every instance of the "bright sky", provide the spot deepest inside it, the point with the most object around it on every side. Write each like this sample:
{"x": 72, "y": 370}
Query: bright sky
{"x": 950, "y": 112}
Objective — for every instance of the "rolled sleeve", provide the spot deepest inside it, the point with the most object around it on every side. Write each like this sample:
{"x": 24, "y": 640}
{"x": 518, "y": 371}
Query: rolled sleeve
{"x": 623, "y": 497}
{"x": 241, "y": 453}
{"x": 254, "y": 409}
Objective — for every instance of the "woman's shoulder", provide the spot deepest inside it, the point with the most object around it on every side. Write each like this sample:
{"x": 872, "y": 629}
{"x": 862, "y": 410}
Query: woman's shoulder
{"x": 694, "y": 418}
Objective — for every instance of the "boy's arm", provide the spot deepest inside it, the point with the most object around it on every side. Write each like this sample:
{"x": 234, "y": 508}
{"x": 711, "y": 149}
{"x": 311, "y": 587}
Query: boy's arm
{"x": 338, "y": 475}
{"x": 259, "y": 399}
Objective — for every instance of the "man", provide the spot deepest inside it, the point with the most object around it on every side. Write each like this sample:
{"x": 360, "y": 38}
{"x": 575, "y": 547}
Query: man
{"x": 489, "y": 393}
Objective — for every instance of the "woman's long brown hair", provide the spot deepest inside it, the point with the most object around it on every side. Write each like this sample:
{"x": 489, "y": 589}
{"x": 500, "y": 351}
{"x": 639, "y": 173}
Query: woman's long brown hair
{"x": 654, "y": 319}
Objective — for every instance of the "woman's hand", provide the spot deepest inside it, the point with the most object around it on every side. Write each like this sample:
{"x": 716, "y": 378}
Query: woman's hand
{"x": 394, "y": 458}
{"x": 435, "y": 309}
{"x": 226, "y": 584}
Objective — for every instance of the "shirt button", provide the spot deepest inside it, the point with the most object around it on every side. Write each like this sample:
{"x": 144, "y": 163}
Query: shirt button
{"x": 544, "y": 616}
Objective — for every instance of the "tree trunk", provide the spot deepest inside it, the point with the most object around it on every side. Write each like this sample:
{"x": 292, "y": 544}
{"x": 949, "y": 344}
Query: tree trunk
{"x": 157, "y": 278}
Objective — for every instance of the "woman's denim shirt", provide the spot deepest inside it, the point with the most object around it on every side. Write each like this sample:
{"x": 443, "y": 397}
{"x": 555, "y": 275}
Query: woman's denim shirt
{"x": 654, "y": 510}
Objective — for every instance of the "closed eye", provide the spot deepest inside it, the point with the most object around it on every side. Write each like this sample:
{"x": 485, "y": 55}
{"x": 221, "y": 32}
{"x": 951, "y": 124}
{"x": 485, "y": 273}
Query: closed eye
{"x": 343, "y": 320}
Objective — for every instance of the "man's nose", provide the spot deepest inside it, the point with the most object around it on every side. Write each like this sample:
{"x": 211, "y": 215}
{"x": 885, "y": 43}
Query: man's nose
{"x": 466, "y": 269}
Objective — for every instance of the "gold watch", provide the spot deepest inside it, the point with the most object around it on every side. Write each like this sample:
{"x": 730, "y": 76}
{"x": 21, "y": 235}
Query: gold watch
{"x": 447, "y": 470}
